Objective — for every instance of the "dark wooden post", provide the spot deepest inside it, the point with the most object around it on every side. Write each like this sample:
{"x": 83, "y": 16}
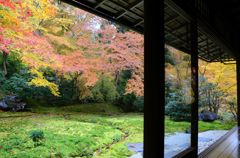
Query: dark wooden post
{"x": 194, "y": 84}
{"x": 238, "y": 90}
{"x": 238, "y": 101}
{"x": 154, "y": 88}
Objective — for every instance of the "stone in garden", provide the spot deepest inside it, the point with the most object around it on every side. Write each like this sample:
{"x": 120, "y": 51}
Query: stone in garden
{"x": 3, "y": 105}
{"x": 12, "y": 103}
{"x": 208, "y": 116}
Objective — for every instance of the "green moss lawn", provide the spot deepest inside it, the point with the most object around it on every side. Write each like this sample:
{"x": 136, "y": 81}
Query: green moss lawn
{"x": 172, "y": 126}
{"x": 98, "y": 130}
{"x": 92, "y": 130}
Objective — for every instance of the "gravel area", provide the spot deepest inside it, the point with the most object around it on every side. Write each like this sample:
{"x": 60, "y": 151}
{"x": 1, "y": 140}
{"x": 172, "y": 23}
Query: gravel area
{"x": 177, "y": 142}
{"x": 137, "y": 148}
{"x": 138, "y": 155}
{"x": 209, "y": 137}
{"x": 180, "y": 141}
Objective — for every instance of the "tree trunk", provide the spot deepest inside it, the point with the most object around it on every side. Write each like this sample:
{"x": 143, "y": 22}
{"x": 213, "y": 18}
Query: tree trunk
{"x": 215, "y": 110}
{"x": 209, "y": 101}
{"x": 4, "y": 63}
{"x": 117, "y": 73}
{"x": 210, "y": 108}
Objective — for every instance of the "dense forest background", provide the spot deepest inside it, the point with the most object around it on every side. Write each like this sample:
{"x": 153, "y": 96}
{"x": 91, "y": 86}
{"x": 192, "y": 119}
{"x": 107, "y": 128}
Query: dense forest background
{"x": 55, "y": 54}
{"x": 217, "y": 87}
{"x": 70, "y": 69}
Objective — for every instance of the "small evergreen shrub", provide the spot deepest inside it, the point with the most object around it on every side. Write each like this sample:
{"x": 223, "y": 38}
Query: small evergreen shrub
{"x": 2, "y": 78}
{"x": 104, "y": 90}
{"x": 123, "y": 78}
{"x": 177, "y": 109}
{"x": 138, "y": 104}
{"x": 128, "y": 102}
{"x": 37, "y": 137}
{"x": 226, "y": 117}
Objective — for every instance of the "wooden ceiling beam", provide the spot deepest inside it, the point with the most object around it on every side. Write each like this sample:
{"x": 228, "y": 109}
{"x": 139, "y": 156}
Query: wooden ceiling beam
{"x": 83, "y": 5}
{"x": 208, "y": 45}
{"x": 178, "y": 27}
{"x": 134, "y": 5}
{"x": 203, "y": 40}
{"x": 139, "y": 23}
{"x": 99, "y": 4}
{"x": 127, "y": 10}
{"x": 207, "y": 54}
{"x": 175, "y": 35}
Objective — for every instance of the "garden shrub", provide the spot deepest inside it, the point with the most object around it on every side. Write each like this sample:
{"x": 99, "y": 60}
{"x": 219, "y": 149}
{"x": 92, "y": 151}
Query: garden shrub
{"x": 123, "y": 78}
{"x": 130, "y": 103}
{"x": 226, "y": 117}
{"x": 18, "y": 84}
{"x": 2, "y": 78}
{"x": 67, "y": 90}
{"x": 232, "y": 107}
{"x": 127, "y": 102}
{"x": 211, "y": 97}
{"x": 83, "y": 91}
{"x": 40, "y": 81}
{"x": 177, "y": 109}
{"x": 37, "y": 137}
{"x": 104, "y": 90}
{"x": 138, "y": 104}
{"x": 97, "y": 95}
{"x": 14, "y": 63}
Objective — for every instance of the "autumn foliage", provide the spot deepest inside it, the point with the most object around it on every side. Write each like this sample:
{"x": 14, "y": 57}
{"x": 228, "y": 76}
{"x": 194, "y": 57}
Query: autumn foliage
{"x": 216, "y": 86}
{"x": 72, "y": 44}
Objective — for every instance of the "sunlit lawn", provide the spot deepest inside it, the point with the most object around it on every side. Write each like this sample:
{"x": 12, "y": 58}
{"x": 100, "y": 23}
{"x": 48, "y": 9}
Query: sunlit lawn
{"x": 172, "y": 126}
{"x": 98, "y": 130}
{"x": 68, "y": 132}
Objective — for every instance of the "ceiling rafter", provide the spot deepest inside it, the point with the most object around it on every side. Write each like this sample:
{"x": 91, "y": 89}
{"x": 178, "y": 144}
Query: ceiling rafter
{"x": 127, "y": 10}
{"x": 99, "y": 4}
{"x": 109, "y": 13}
{"x": 134, "y": 5}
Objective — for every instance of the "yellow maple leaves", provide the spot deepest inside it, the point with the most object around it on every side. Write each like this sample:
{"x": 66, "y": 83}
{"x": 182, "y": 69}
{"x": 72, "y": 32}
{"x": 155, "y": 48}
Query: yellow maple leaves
{"x": 41, "y": 81}
{"x": 222, "y": 75}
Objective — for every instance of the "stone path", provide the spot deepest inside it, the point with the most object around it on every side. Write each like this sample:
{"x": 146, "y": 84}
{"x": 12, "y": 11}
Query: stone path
{"x": 176, "y": 143}
{"x": 208, "y": 138}
{"x": 137, "y": 148}
{"x": 179, "y": 141}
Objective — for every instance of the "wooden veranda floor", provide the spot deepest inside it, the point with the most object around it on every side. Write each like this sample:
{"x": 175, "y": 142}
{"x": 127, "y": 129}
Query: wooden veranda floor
{"x": 228, "y": 148}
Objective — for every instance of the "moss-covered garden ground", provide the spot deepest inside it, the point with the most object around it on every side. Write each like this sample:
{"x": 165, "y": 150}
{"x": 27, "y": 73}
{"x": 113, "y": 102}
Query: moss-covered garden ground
{"x": 172, "y": 126}
{"x": 97, "y": 130}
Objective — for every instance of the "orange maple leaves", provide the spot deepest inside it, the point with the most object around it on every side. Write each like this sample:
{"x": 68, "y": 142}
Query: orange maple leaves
{"x": 7, "y": 3}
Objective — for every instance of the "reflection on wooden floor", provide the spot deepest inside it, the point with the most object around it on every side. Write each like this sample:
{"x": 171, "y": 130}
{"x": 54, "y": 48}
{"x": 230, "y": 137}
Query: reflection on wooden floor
{"x": 229, "y": 148}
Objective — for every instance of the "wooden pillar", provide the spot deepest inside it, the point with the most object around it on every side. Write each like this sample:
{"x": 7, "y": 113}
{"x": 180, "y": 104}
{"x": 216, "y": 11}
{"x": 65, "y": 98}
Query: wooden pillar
{"x": 238, "y": 100}
{"x": 154, "y": 88}
{"x": 238, "y": 90}
{"x": 194, "y": 84}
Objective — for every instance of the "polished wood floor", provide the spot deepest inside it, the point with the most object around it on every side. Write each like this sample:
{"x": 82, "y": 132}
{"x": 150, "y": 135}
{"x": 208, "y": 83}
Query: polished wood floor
{"x": 229, "y": 148}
